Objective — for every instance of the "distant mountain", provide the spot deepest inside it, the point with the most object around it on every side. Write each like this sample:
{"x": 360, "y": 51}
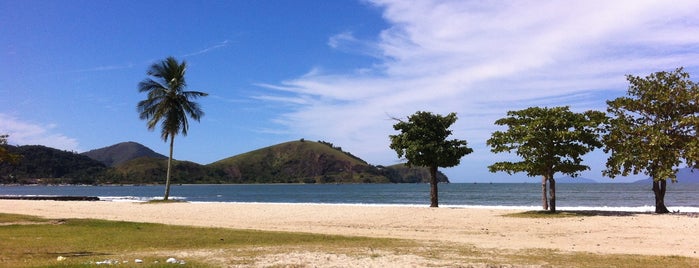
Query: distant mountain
{"x": 152, "y": 170}
{"x": 289, "y": 162}
{"x": 41, "y": 164}
{"x": 122, "y": 152}
{"x": 684, "y": 175}
{"x": 132, "y": 163}
{"x": 575, "y": 180}
{"x": 298, "y": 162}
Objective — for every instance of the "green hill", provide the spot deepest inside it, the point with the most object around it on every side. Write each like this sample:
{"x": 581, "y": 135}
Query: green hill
{"x": 298, "y": 162}
{"x": 41, "y": 164}
{"x": 122, "y": 152}
{"x": 131, "y": 163}
{"x": 150, "y": 170}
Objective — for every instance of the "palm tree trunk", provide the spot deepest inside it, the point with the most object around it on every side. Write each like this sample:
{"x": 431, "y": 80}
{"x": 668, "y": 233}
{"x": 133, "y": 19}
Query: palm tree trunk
{"x": 434, "y": 193}
{"x": 659, "y": 188}
{"x": 169, "y": 164}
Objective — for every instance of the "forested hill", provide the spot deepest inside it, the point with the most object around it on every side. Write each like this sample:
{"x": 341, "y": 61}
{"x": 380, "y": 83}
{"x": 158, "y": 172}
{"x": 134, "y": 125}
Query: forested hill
{"x": 310, "y": 162}
{"x": 131, "y": 163}
{"x": 41, "y": 164}
{"x": 122, "y": 152}
{"x": 299, "y": 161}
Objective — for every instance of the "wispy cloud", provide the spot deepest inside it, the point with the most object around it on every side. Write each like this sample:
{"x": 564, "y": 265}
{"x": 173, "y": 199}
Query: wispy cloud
{"x": 26, "y": 133}
{"x": 114, "y": 67}
{"x": 103, "y": 68}
{"x": 348, "y": 43}
{"x": 225, "y": 43}
{"x": 483, "y": 58}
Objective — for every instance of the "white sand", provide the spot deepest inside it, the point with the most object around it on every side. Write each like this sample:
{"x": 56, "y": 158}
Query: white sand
{"x": 638, "y": 234}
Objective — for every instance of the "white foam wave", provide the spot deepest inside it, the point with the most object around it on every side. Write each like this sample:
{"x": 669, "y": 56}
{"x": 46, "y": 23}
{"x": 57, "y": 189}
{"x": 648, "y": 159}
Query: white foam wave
{"x": 137, "y": 199}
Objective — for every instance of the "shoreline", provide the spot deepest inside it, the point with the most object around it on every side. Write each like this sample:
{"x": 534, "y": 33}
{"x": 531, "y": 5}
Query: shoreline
{"x": 674, "y": 210}
{"x": 647, "y": 209}
{"x": 644, "y": 234}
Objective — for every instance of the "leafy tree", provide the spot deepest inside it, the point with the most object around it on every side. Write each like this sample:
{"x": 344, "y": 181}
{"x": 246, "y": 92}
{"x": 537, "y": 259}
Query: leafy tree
{"x": 549, "y": 141}
{"x": 653, "y": 130}
{"x": 423, "y": 142}
{"x": 5, "y": 155}
{"x": 168, "y": 103}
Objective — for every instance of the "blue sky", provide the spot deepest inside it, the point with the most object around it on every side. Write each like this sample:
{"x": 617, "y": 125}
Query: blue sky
{"x": 326, "y": 70}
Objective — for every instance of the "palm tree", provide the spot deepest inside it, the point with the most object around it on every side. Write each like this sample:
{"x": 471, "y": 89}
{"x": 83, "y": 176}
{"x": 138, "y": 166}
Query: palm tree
{"x": 168, "y": 103}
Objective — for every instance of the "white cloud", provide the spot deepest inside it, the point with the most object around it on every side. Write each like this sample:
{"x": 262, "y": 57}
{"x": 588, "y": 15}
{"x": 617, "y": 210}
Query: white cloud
{"x": 25, "y": 133}
{"x": 114, "y": 67}
{"x": 347, "y": 42}
{"x": 483, "y": 58}
{"x": 102, "y": 68}
{"x": 225, "y": 43}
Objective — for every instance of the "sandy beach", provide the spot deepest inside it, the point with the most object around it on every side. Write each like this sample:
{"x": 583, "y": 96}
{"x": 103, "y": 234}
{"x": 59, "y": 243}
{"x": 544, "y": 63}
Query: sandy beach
{"x": 484, "y": 228}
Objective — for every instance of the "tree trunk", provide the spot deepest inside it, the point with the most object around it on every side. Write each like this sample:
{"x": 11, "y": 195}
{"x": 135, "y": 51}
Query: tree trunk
{"x": 434, "y": 193}
{"x": 544, "y": 198}
{"x": 169, "y": 164}
{"x": 552, "y": 192}
{"x": 659, "y": 188}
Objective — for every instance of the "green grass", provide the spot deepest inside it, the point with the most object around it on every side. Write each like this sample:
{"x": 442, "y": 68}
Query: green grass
{"x": 14, "y": 218}
{"x": 27, "y": 241}
{"x": 83, "y": 241}
{"x": 554, "y": 258}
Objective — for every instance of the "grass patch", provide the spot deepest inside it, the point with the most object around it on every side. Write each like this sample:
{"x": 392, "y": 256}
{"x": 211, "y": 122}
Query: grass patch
{"x": 554, "y": 258}
{"x": 84, "y": 241}
{"x": 10, "y": 219}
{"x": 548, "y": 258}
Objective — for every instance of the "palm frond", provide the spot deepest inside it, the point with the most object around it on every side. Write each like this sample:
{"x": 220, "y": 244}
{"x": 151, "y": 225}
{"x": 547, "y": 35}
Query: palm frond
{"x": 167, "y": 102}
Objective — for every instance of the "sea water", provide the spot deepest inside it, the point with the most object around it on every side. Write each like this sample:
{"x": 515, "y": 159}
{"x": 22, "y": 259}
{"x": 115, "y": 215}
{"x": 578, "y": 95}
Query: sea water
{"x": 583, "y": 196}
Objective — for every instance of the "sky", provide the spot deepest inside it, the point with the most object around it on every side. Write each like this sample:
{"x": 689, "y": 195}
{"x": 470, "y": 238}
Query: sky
{"x": 336, "y": 71}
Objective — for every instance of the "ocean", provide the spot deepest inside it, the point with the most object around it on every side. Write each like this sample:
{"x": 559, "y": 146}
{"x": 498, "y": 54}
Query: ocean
{"x": 570, "y": 196}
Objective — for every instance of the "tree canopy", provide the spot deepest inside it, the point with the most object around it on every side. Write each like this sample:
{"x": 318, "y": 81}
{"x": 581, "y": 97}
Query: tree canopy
{"x": 6, "y": 155}
{"x": 423, "y": 142}
{"x": 653, "y": 130}
{"x": 549, "y": 141}
{"x": 168, "y": 103}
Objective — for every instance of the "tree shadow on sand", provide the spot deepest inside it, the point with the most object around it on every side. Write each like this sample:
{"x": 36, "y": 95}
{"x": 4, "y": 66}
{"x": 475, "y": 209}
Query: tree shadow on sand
{"x": 589, "y": 213}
